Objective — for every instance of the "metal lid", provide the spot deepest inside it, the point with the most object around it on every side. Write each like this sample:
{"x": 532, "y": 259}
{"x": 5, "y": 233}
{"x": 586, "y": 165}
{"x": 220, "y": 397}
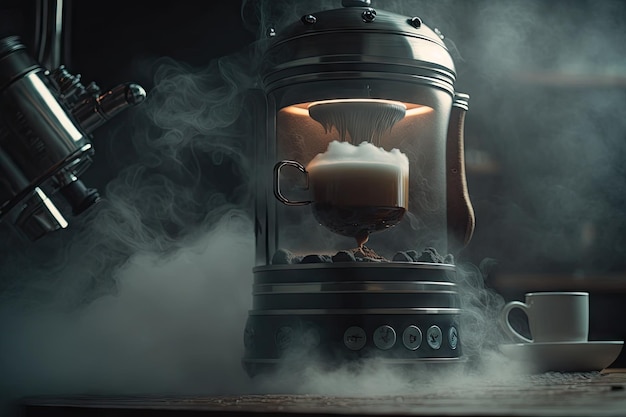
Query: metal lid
{"x": 14, "y": 60}
{"x": 357, "y": 38}
{"x": 10, "y": 44}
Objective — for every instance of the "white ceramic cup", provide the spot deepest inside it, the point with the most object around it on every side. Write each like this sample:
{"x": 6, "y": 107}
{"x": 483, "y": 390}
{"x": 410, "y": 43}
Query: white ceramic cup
{"x": 552, "y": 317}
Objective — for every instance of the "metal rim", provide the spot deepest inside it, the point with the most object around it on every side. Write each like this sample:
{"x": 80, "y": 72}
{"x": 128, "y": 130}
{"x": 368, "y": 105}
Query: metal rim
{"x": 414, "y": 287}
{"x": 347, "y": 265}
{"x": 383, "y": 360}
{"x": 10, "y": 44}
{"x": 277, "y": 81}
{"x": 356, "y": 311}
{"x": 553, "y": 293}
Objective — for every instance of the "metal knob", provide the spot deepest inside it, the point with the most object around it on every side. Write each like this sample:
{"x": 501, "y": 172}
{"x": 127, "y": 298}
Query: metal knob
{"x": 96, "y": 109}
{"x": 79, "y": 196}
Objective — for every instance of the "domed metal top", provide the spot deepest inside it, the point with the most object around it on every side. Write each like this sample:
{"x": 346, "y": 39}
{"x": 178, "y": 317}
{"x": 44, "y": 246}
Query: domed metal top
{"x": 358, "y": 38}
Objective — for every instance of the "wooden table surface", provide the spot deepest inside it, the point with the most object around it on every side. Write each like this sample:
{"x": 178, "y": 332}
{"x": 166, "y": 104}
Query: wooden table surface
{"x": 549, "y": 394}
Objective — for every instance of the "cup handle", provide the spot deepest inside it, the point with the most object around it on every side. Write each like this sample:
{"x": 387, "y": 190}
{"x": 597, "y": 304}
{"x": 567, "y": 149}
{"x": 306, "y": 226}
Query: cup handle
{"x": 504, "y": 320}
{"x": 277, "y": 193}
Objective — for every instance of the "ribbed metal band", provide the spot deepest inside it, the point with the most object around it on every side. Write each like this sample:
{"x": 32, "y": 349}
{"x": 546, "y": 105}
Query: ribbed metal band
{"x": 460, "y": 359}
{"x": 375, "y": 287}
{"x": 278, "y": 80}
{"x": 359, "y": 311}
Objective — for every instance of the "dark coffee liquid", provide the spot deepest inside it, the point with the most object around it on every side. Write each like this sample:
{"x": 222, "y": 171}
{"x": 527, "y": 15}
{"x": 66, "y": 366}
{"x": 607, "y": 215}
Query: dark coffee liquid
{"x": 357, "y": 221}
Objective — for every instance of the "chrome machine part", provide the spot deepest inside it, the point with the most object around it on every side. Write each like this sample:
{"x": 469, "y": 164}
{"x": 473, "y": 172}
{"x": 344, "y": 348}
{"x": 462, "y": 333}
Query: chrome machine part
{"x": 49, "y": 32}
{"x": 352, "y": 312}
{"x": 45, "y": 124}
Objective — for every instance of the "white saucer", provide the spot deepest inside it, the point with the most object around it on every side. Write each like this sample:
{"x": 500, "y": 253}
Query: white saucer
{"x": 564, "y": 356}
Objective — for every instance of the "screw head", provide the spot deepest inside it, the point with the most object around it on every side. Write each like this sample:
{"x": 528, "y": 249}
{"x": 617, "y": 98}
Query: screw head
{"x": 416, "y": 22}
{"x": 309, "y": 19}
{"x": 368, "y": 15}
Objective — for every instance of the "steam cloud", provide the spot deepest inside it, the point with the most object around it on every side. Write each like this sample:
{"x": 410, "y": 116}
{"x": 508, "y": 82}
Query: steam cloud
{"x": 149, "y": 292}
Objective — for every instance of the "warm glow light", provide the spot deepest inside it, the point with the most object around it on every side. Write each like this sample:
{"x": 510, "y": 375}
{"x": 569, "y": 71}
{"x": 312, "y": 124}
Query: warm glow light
{"x": 417, "y": 110}
{"x": 412, "y": 109}
{"x": 356, "y": 100}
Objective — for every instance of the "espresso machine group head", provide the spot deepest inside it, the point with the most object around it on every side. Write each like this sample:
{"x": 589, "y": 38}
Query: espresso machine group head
{"x": 46, "y": 120}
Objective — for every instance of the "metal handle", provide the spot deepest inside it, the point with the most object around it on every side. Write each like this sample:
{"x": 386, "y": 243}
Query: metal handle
{"x": 96, "y": 109}
{"x": 50, "y": 34}
{"x": 504, "y": 320}
{"x": 277, "y": 192}
{"x": 460, "y": 212}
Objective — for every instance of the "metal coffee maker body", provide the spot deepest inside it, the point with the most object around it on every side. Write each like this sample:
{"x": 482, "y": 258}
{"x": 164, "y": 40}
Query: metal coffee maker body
{"x": 356, "y": 95}
{"x": 46, "y": 118}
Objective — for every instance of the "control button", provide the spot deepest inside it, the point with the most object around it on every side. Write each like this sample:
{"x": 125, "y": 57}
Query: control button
{"x": 284, "y": 337}
{"x": 384, "y": 337}
{"x": 354, "y": 338}
{"x": 433, "y": 337}
{"x": 412, "y": 337}
{"x": 453, "y": 337}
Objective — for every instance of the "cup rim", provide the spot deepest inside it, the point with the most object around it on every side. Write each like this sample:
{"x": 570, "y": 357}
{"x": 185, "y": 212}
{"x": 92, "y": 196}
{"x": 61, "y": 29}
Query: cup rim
{"x": 548, "y": 293}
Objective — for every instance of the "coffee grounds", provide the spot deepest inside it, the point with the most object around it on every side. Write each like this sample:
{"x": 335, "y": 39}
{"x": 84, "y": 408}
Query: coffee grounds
{"x": 361, "y": 254}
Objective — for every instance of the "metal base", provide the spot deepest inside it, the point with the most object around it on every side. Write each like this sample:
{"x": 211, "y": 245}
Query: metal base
{"x": 408, "y": 369}
{"x": 310, "y": 314}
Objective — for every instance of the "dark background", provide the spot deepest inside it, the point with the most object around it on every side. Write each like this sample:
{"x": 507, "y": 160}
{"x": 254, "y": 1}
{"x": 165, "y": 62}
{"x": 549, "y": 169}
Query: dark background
{"x": 544, "y": 134}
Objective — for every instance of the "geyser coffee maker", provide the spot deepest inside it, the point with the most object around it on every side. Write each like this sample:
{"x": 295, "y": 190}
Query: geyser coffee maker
{"x": 361, "y": 199}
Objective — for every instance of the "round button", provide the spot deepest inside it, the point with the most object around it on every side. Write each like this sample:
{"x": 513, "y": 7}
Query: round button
{"x": 354, "y": 338}
{"x": 433, "y": 337}
{"x": 453, "y": 337}
{"x": 412, "y": 337}
{"x": 284, "y": 337}
{"x": 384, "y": 337}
